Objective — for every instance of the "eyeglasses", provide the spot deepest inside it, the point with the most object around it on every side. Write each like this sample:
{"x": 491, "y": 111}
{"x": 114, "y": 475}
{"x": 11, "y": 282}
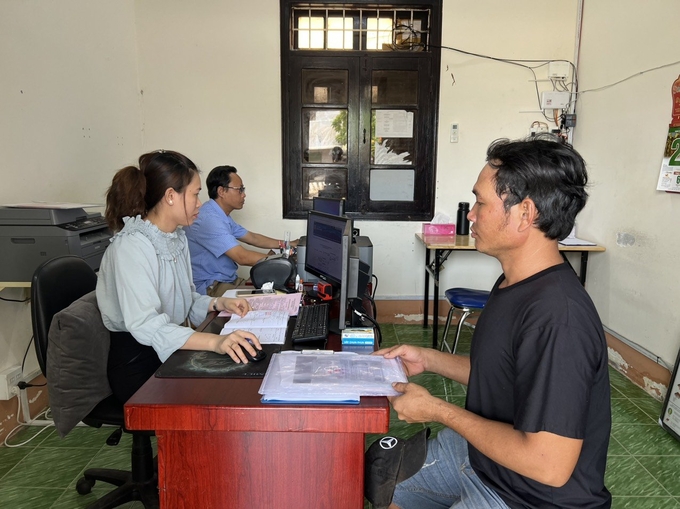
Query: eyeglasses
{"x": 240, "y": 190}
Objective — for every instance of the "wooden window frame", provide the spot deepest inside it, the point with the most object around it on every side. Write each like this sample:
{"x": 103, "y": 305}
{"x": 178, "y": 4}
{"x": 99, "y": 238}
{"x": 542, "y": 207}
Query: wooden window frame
{"x": 360, "y": 65}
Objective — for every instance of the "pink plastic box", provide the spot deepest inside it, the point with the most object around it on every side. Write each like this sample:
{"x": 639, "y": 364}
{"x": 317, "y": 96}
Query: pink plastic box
{"x": 439, "y": 229}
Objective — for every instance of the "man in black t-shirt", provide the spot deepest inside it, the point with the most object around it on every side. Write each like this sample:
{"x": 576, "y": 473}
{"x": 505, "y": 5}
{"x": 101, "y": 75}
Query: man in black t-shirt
{"x": 535, "y": 428}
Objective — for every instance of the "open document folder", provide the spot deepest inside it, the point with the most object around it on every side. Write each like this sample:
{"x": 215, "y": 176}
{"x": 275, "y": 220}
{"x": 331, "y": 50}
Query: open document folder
{"x": 268, "y": 325}
{"x": 289, "y": 302}
{"x": 325, "y": 376}
{"x": 269, "y": 318}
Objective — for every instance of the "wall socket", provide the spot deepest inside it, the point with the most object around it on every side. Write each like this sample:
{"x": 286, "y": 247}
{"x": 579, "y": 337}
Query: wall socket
{"x": 453, "y": 138}
{"x": 9, "y": 378}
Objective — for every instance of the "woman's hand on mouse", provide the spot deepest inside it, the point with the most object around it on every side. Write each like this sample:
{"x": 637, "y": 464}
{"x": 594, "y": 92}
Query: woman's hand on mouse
{"x": 236, "y": 306}
{"x": 233, "y": 345}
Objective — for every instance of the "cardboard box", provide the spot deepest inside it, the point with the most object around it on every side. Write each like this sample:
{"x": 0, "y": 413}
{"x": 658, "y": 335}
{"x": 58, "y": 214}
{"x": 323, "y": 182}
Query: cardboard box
{"x": 439, "y": 229}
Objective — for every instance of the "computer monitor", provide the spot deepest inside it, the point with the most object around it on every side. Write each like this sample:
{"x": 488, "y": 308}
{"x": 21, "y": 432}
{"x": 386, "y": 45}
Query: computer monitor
{"x": 328, "y": 253}
{"x": 334, "y": 206}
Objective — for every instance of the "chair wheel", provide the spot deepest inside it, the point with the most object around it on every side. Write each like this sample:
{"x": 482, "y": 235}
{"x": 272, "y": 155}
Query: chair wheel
{"x": 84, "y": 486}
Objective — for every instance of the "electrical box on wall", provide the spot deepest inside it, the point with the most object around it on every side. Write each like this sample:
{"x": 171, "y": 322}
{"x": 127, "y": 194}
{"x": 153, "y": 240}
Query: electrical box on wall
{"x": 554, "y": 100}
{"x": 558, "y": 70}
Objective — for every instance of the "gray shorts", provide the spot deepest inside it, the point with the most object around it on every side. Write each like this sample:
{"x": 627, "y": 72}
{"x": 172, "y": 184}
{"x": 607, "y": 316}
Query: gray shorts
{"x": 446, "y": 480}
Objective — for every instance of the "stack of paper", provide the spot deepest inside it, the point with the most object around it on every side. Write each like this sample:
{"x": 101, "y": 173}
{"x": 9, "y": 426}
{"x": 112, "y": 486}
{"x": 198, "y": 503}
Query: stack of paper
{"x": 329, "y": 377}
{"x": 289, "y": 302}
{"x": 269, "y": 326}
{"x": 269, "y": 318}
{"x": 573, "y": 240}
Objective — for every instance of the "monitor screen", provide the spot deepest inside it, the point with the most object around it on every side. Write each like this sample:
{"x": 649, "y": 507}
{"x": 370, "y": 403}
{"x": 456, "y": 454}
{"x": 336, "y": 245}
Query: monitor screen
{"x": 334, "y": 206}
{"x": 326, "y": 256}
{"x": 329, "y": 244}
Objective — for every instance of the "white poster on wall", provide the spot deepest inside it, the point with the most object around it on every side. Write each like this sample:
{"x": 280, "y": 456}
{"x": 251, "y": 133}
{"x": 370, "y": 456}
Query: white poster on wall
{"x": 669, "y": 176}
{"x": 393, "y": 124}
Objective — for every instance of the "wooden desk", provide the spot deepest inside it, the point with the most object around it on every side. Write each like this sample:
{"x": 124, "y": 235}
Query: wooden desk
{"x": 218, "y": 446}
{"x": 444, "y": 245}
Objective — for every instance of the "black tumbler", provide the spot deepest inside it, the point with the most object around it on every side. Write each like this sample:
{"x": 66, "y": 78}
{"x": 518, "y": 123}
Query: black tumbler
{"x": 462, "y": 223}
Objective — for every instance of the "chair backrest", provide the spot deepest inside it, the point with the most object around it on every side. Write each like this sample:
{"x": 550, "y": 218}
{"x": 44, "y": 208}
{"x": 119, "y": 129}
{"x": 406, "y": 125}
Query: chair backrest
{"x": 56, "y": 284}
{"x": 280, "y": 270}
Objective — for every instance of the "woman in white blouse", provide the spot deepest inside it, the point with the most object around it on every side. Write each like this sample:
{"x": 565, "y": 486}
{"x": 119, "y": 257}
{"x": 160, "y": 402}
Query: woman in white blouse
{"x": 145, "y": 289}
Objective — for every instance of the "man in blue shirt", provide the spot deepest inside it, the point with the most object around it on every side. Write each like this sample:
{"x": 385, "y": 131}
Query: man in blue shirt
{"x": 215, "y": 238}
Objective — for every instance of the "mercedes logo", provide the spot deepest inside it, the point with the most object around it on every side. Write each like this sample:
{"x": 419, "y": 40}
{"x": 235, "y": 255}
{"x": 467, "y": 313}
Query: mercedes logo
{"x": 388, "y": 442}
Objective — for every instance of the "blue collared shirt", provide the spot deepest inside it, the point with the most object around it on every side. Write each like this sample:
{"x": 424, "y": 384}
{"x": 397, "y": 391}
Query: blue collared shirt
{"x": 210, "y": 237}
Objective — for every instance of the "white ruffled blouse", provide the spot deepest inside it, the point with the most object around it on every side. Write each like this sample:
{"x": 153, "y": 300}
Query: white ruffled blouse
{"x": 145, "y": 286}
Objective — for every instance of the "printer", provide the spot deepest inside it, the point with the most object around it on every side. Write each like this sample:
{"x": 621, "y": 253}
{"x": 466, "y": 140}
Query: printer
{"x": 31, "y": 236}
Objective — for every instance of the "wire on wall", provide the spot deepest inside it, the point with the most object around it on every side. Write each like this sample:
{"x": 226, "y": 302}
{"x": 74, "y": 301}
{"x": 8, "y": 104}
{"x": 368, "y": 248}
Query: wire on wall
{"x": 563, "y": 118}
{"x": 604, "y": 87}
{"x": 558, "y": 84}
{"x": 15, "y": 300}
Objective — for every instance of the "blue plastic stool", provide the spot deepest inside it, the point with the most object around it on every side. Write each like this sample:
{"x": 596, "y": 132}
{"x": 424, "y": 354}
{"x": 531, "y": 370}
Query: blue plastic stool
{"x": 467, "y": 301}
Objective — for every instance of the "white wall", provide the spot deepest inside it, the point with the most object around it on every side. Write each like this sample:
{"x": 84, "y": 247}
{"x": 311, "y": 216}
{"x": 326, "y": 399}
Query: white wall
{"x": 621, "y": 133}
{"x": 210, "y": 72}
{"x": 69, "y": 115}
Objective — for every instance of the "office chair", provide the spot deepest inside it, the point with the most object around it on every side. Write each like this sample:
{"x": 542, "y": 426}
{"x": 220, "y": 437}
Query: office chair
{"x": 467, "y": 301}
{"x": 57, "y": 284}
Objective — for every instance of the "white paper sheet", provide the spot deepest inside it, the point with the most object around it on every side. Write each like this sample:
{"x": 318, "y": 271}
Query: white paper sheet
{"x": 288, "y": 302}
{"x": 268, "y": 325}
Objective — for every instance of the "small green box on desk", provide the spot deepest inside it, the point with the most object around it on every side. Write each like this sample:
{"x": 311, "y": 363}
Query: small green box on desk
{"x": 358, "y": 336}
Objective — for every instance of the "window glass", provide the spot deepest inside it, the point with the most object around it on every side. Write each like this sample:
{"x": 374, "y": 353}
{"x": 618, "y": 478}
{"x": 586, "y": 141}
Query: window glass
{"x": 410, "y": 30}
{"x": 392, "y": 140}
{"x": 324, "y": 86}
{"x": 338, "y": 28}
{"x": 329, "y": 183}
{"x": 392, "y": 185}
{"x": 324, "y": 136}
{"x": 340, "y": 34}
{"x": 394, "y": 87}
{"x": 310, "y": 32}
{"x": 379, "y": 32}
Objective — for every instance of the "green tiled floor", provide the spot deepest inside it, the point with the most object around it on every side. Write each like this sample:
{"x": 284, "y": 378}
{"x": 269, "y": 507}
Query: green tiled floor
{"x": 641, "y": 471}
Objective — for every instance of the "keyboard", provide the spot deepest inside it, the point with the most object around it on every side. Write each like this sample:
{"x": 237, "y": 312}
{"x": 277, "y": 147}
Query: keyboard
{"x": 311, "y": 323}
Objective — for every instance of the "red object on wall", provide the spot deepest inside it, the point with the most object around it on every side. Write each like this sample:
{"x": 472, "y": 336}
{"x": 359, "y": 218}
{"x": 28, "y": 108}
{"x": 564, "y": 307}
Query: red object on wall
{"x": 675, "y": 93}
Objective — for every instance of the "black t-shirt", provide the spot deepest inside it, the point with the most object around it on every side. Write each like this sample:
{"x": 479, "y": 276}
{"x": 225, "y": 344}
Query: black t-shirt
{"x": 539, "y": 362}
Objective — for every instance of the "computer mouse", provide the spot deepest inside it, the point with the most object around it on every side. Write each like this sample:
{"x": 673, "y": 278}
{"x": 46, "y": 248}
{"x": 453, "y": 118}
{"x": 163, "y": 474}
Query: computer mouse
{"x": 259, "y": 354}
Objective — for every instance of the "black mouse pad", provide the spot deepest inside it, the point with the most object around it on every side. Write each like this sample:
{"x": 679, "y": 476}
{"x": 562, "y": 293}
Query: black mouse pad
{"x": 191, "y": 364}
